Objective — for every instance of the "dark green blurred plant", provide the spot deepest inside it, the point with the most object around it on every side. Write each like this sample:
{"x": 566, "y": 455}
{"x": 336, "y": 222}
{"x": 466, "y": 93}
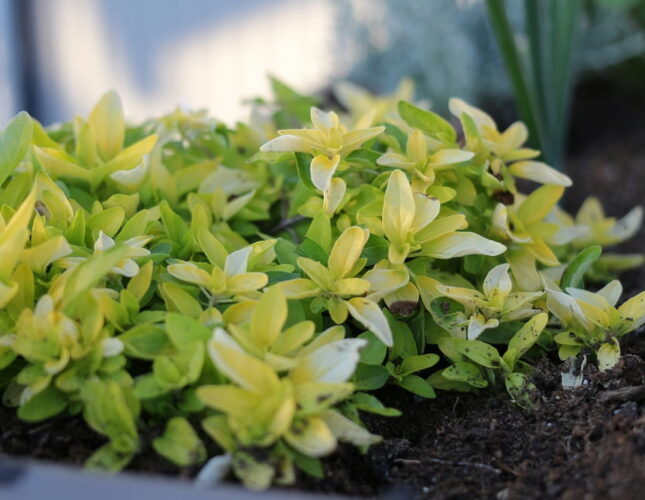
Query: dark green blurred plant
{"x": 540, "y": 73}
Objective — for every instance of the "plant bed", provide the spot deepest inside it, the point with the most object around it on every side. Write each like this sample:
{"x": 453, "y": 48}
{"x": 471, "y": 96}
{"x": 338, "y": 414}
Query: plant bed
{"x": 585, "y": 442}
{"x": 179, "y": 295}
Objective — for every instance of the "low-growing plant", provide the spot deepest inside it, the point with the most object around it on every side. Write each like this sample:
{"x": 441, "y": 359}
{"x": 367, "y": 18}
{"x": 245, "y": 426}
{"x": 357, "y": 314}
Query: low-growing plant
{"x": 258, "y": 283}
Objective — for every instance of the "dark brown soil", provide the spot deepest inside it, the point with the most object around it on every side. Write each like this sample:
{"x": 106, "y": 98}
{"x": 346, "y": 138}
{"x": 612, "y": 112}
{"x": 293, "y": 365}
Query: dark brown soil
{"x": 586, "y": 443}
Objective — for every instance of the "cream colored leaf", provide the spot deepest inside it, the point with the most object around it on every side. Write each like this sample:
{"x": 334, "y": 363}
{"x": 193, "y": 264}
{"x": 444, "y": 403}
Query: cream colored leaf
{"x": 611, "y": 292}
{"x": 395, "y": 160}
{"x": 539, "y": 172}
{"x": 370, "y": 315}
{"x": 311, "y": 437}
{"x": 332, "y": 362}
{"x": 299, "y": 288}
{"x": 608, "y": 355}
{"x": 458, "y": 106}
{"x": 351, "y": 286}
{"x": 108, "y": 125}
{"x": 460, "y": 244}
{"x": 323, "y": 120}
{"x": 478, "y": 324}
{"x": 189, "y": 272}
{"x": 287, "y": 143}
{"x": 269, "y": 317}
{"x": 398, "y": 207}
{"x": 346, "y": 251}
{"x": 246, "y": 282}
{"x": 236, "y": 262}
{"x": 497, "y": 284}
{"x": 346, "y": 430}
{"x": 322, "y": 170}
{"x": 333, "y": 196}
{"x": 245, "y": 370}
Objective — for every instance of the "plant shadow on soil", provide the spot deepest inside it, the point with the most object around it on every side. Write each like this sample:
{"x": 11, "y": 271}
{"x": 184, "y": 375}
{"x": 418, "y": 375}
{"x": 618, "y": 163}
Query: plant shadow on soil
{"x": 583, "y": 443}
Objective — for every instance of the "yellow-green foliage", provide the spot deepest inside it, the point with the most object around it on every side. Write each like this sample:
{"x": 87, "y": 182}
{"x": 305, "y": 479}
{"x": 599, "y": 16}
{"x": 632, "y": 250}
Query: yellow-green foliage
{"x": 257, "y": 280}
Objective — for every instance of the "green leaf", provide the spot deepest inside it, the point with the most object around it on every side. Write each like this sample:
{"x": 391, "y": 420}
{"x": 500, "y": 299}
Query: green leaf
{"x": 7, "y": 356}
{"x": 176, "y": 228}
{"x": 521, "y": 390}
{"x": 449, "y": 315}
{"x": 510, "y": 357}
{"x": 184, "y": 330}
{"x": 146, "y": 341}
{"x": 418, "y": 324}
{"x": 303, "y": 161}
{"x": 112, "y": 410}
{"x": 526, "y": 336}
{"x": 109, "y": 221}
{"x": 279, "y": 276}
{"x": 438, "y": 381}
{"x": 178, "y": 299}
{"x": 366, "y": 402}
{"x": 473, "y": 263}
{"x": 180, "y": 444}
{"x": 370, "y": 377}
{"x": 568, "y": 338}
{"x": 256, "y": 472}
{"x": 398, "y": 134}
{"x": 291, "y": 102}
{"x": 312, "y": 250}
{"x": 320, "y": 231}
{"x": 375, "y": 250}
{"x": 178, "y": 370}
{"x": 465, "y": 372}
{"x": 506, "y": 41}
{"x": 573, "y": 276}
{"x": 501, "y": 334}
{"x": 404, "y": 344}
{"x": 374, "y": 352}
{"x": 415, "y": 364}
{"x": 448, "y": 346}
{"x": 418, "y": 386}
{"x": 135, "y": 226}
{"x": 428, "y": 122}
{"x": 286, "y": 252}
{"x": 363, "y": 157}
{"x": 43, "y": 405}
{"x": 15, "y": 140}
{"x": 309, "y": 465}
{"x": 480, "y": 352}
{"x": 88, "y": 274}
{"x": 568, "y": 351}
{"x": 217, "y": 428}
{"x": 473, "y": 139}
{"x": 147, "y": 387}
{"x": 109, "y": 458}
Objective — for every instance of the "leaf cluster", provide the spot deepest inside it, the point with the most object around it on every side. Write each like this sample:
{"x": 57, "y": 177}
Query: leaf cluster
{"x": 259, "y": 281}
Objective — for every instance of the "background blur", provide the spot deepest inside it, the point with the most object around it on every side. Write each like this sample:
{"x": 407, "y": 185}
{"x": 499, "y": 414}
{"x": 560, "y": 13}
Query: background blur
{"x": 58, "y": 56}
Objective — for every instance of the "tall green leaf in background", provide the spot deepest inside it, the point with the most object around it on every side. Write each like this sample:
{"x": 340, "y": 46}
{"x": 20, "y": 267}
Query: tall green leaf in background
{"x": 541, "y": 75}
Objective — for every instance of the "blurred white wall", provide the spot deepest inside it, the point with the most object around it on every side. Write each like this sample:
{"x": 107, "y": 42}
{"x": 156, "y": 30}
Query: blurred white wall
{"x": 161, "y": 53}
{"x": 9, "y": 69}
